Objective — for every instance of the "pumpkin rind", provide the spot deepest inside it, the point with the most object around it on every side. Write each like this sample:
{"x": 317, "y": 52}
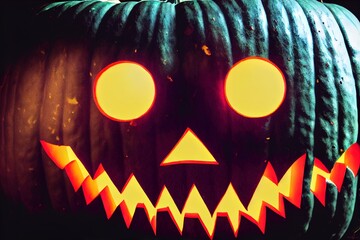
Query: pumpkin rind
{"x": 188, "y": 47}
{"x": 350, "y": 30}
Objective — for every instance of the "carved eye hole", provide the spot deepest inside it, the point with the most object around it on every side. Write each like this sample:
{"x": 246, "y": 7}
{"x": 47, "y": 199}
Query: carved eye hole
{"x": 124, "y": 91}
{"x": 255, "y": 87}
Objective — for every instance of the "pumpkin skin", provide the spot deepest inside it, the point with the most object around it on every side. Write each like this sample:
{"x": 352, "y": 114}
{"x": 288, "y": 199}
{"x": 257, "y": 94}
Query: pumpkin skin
{"x": 315, "y": 46}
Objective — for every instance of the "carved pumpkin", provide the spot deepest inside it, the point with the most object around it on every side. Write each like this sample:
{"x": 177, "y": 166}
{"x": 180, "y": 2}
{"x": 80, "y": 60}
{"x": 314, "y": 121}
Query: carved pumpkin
{"x": 192, "y": 162}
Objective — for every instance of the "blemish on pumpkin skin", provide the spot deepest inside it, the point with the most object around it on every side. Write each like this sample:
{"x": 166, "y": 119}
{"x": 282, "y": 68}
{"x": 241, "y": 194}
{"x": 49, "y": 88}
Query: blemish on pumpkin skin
{"x": 56, "y": 110}
{"x": 169, "y": 78}
{"x": 342, "y": 79}
{"x": 31, "y": 120}
{"x": 206, "y": 50}
{"x": 72, "y": 101}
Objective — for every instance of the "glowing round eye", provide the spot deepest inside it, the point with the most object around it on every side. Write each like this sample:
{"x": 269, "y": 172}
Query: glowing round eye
{"x": 255, "y": 87}
{"x": 124, "y": 91}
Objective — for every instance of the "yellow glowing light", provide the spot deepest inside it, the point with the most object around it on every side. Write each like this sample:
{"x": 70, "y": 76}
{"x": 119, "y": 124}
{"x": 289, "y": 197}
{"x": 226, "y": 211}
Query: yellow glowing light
{"x": 349, "y": 160}
{"x": 189, "y": 150}
{"x": 124, "y": 91}
{"x": 255, "y": 87}
{"x": 269, "y": 193}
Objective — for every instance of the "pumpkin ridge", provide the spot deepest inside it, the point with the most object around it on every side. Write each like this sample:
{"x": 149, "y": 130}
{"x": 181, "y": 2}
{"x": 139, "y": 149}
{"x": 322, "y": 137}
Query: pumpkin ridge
{"x": 99, "y": 17}
{"x": 14, "y": 155}
{"x": 328, "y": 99}
{"x": 68, "y": 7}
{"x": 102, "y": 131}
{"x": 50, "y": 108}
{"x": 289, "y": 54}
{"x": 60, "y": 200}
{"x": 75, "y": 126}
{"x": 345, "y": 18}
{"x": 217, "y": 35}
{"x": 293, "y": 52}
{"x": 165, "y": 41}
{"x": 321, "y": 90}
{"x": 328, "y": 69}
{"x": 151, "y": 58}
{"x": 29, "y": 168}
{"x": 8, "y": 134}
{"x": 78, "y": 79}
{"x": 348, "y": 25}
{"x": 253, "y": 41}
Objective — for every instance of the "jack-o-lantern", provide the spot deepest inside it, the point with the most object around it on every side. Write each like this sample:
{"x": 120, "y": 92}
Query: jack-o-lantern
{"x": 201, "y": 119}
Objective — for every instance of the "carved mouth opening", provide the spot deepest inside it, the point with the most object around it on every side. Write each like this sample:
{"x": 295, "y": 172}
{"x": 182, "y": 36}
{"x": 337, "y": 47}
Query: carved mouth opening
{"x": 269, "y": 193}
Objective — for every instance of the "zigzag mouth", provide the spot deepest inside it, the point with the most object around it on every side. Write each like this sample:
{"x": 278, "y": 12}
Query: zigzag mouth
{"x": 269, "y": 193}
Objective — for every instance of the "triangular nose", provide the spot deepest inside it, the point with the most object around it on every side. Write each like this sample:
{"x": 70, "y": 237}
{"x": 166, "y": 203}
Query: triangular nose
{"x": 189, "y": 150}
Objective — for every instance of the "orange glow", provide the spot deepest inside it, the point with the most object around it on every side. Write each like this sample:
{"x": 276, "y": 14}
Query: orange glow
{"x": 348, "y": 160}
{"x": 124, "y": 91}
{"x": 255, "y": 87}
{"x": 189, "y": 150}
{"x": 269, "y": 193}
